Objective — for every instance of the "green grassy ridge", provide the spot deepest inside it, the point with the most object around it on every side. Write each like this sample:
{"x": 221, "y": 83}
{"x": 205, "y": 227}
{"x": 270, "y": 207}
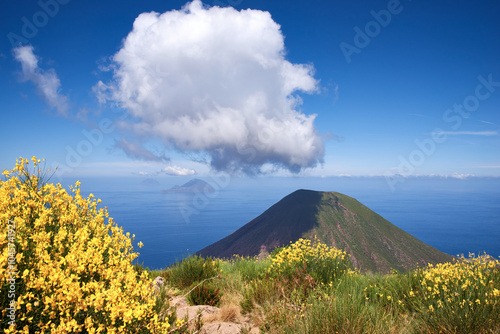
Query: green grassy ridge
{"x": 338, "y": 220}
{"x": 374, "y": 243}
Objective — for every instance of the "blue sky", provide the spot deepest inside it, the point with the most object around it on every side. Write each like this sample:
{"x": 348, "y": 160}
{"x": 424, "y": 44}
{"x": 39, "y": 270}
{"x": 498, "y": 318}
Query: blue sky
{"x": 372, "y": 88}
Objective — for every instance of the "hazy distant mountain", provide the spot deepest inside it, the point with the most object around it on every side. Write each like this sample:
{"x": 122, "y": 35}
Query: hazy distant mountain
{"x": 193, "y": 186}
{"x": 150, "y": 183}
{"x": 338, "y": 220}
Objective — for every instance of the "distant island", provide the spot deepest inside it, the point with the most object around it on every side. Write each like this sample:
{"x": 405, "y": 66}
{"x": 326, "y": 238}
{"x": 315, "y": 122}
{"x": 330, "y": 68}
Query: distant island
{"x": 150, "y": 183}
{"x": 193, "y": 186}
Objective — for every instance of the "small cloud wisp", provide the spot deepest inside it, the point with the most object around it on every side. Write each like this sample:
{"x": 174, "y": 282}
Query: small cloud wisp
{"x": 46, "y": 81}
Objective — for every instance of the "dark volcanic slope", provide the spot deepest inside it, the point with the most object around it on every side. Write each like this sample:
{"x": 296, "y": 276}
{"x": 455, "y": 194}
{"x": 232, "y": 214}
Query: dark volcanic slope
{"x": 285, "y": 221}
{"x": 338, "y": 220}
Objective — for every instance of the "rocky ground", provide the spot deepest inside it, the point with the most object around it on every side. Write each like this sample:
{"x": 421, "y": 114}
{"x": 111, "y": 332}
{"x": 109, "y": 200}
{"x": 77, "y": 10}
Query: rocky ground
{"x": 214, "y": 320}
{"x": 205, "y": 319}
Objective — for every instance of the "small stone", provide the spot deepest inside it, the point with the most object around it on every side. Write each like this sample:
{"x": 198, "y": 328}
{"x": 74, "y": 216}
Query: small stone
{"x": 158, "y": 283}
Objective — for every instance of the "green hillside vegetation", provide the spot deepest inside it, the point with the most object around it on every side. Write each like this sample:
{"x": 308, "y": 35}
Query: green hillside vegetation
{"x": 308, "y": 287}
{"x": 337, "y": 220}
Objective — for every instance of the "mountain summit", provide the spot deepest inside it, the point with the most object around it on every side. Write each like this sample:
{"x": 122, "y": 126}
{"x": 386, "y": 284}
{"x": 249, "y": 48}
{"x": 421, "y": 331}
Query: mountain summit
{"x": 337, "y": 220}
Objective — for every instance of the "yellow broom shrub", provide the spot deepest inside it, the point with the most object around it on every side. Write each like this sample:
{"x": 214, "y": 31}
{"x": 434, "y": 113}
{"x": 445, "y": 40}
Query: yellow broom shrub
{"x": 325, "y": 264}
{"x": 461, "y": 297}
{"x": 65, "y": 266}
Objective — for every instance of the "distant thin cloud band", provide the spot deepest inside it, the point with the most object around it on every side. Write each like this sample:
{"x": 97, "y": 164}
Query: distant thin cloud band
{"x": 469, "y": 133}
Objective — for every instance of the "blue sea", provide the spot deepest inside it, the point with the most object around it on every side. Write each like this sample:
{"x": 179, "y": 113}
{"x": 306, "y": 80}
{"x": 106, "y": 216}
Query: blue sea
{"x": 457, "y": 216}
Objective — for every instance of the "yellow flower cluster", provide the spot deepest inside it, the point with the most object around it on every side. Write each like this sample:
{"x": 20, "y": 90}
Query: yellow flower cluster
{"x": 72, "y": 265}
{"x": 302, "y": 250}
{"x": 314, "y": 256}
{"x": 467, "y": 286}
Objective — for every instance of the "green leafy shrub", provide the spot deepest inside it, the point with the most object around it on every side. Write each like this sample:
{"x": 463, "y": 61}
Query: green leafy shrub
{"x": 205, "y": 294}
{"x": 261, "y": 292}
{"x": 249, "y": 268}
{"x": 191, "y": 270}
{"x": 246, "y": 305}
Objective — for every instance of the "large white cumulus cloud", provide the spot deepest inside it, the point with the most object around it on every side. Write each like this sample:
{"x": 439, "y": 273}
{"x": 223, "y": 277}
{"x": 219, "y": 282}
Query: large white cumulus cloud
{"x": 216, "y": 80}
